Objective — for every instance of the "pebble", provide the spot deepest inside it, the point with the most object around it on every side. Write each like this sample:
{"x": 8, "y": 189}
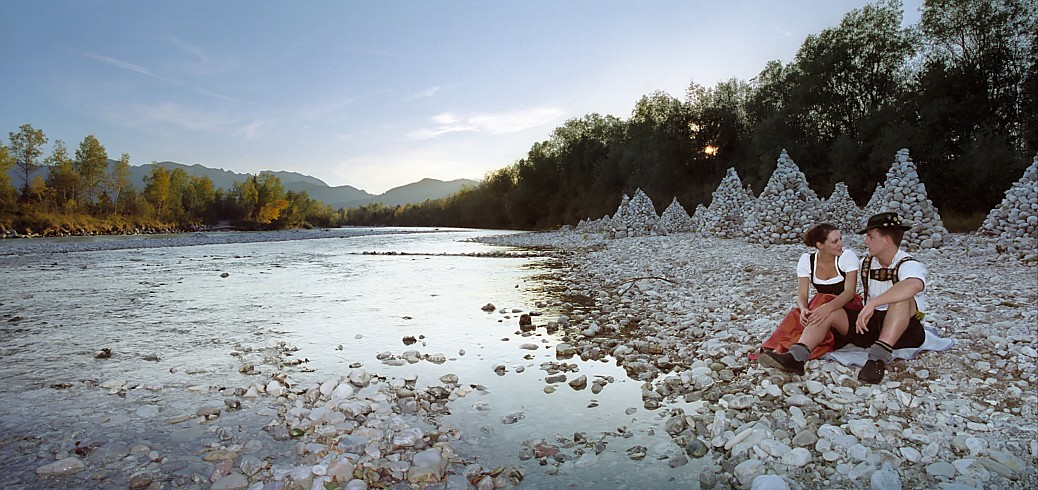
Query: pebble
{"x": 61, "y": 467}
{"x": 769, "y": 482}
{"x": 884, "y": 480}
{"x": 233, "y": 481}
{"x": 941, "y": 469}
{"x": 797, "y": 457}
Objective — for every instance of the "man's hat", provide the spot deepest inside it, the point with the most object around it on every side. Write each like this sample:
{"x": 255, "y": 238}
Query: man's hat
{"x": 885, "y": 220}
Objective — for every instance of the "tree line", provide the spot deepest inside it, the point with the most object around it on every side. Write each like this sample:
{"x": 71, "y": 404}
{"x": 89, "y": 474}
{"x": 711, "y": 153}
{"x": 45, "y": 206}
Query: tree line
{"x": 959, "y": 89}
{"x": 84, "y": 193}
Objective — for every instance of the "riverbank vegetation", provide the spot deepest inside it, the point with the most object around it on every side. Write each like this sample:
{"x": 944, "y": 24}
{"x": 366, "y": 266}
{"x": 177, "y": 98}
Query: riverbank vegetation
{"x": 959, "y": 90}
{"x": 83, "y": 194}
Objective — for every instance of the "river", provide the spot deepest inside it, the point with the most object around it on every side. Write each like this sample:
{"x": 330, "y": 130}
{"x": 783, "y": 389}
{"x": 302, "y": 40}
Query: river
{"x": 176, "y": 317}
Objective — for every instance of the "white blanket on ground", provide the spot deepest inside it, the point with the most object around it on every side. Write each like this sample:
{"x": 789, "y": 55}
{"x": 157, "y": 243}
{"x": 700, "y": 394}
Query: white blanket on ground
{"x": 852, "y": 355}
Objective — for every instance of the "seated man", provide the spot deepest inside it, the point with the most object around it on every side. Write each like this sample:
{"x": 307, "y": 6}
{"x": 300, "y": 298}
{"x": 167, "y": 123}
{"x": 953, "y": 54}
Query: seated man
{"x": 894, "y": 301}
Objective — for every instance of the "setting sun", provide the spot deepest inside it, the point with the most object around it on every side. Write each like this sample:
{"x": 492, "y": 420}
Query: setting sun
{"x": 710, "y": 150}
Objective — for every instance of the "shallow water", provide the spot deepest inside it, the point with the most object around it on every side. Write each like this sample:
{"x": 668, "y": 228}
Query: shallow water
{"x": 172, "y": 321}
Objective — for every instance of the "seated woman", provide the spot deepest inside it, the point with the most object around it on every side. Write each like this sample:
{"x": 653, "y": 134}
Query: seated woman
{"x": 831, "y": 270}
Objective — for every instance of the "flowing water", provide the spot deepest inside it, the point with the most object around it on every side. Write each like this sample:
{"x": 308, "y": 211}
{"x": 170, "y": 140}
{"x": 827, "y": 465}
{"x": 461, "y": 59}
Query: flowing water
{"x": 173, "y": 315}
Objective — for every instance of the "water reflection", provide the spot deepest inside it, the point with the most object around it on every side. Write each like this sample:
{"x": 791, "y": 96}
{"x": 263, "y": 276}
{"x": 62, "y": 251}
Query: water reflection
{"x": 173, "y": 315}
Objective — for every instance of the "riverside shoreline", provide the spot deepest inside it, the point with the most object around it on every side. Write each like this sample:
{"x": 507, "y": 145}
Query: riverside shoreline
{"x": 682, "y": 312}
{"x": 679, "y": 313}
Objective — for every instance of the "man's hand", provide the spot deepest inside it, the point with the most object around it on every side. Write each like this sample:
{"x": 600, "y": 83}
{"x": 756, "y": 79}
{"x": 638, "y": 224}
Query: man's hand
{"x": 862, "y": 324}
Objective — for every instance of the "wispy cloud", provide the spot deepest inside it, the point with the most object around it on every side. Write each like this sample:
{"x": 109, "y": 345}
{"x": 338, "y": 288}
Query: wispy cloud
{"x": 253, "y": 130}
{"x": 228, "y": 98}
{"x": 429, "y": 92}
{"x": 167, "y": 114}
{"x": 782, "y": 32}
{"x": 201, "y": 56}
{"x": 500, "y": 123}
{"x": 126, "y": 65}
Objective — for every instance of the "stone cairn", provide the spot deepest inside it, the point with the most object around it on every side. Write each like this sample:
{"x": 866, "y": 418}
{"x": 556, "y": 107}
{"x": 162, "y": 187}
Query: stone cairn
{"x": 1015, "y": 220}
{"x": 675, "y": 219}
{"x": 842, "y": 211}
{"x": 603, "y": 225}
{"x": 904, "y": 194}
{"x": 636, "y": 217}
{"x": 728, "y": 205}
{"x": 785, "y": 209}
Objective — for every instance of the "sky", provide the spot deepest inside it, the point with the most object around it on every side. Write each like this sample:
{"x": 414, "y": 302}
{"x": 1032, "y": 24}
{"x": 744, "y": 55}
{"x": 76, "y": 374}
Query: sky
{"x": 373, "y": 94}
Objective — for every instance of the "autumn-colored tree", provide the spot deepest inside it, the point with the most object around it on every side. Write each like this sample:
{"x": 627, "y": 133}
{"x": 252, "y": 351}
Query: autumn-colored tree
{"x": 156, "y": 189}
{"x": 7, "y": 192}
{"x": 270, "y": 211}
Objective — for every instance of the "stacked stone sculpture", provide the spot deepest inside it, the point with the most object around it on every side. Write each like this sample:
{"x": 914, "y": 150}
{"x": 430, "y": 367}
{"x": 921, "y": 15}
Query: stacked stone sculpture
{"x": 728, "y": 205}
{"x": 1015, "y": 220}
{"x": 603, "y": 225}
{"x": 637, "y": 217}
{"x": 840, "y": 210}
{"x": 675, "y": 219}
{"x": 785, "y": 209}
{"x": 905, "y": 195}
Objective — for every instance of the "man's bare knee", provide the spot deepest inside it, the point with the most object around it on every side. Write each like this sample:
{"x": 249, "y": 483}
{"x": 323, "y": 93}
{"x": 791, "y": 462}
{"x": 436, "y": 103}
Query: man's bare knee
{"x": 902, "y": 309}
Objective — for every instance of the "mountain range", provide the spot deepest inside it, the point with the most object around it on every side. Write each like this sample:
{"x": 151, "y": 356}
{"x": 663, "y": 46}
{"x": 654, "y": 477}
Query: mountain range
{"x": 343, "y": 196}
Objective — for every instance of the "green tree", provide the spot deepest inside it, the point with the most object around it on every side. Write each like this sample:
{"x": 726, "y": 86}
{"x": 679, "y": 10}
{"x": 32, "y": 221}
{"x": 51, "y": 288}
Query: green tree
{"x": 63, "y": 179}
{"x": 26, "y": 148}
{"x": 118, "y": 183}
{"x": 92, "y": 164}
{"x": 245, "y": 196}
{"x": 975, "y": 98}
{"x": 198, "y": 197}
{"x": 179, "y": 188}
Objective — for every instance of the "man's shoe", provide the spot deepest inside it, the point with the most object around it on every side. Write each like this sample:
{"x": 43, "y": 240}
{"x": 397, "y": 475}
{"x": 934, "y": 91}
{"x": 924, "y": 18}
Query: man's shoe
{"x": 782, "y": 361}
{"x": 872, "y": 372}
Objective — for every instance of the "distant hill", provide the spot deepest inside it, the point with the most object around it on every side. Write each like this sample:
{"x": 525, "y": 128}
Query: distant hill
{"x": 415, "y": 192}
{"x": 343, "y": 196}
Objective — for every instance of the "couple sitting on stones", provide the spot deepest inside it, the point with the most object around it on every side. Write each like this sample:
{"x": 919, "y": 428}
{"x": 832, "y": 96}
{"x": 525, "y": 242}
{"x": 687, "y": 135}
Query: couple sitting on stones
{"x": 889, "y": 319}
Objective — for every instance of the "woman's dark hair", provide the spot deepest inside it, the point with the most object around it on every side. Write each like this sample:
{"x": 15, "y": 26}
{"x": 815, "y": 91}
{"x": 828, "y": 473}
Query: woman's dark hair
{"x": 818, "y": 233}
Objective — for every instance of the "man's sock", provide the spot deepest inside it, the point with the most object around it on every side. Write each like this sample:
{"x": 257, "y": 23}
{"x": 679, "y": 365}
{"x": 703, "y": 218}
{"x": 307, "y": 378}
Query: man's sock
{"x": 800, "y": 352}
{"x": 880, "y": 351}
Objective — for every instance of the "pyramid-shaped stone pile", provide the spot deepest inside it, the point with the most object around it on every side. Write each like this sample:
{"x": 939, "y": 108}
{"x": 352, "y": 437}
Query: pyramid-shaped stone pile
{"x": 726, "y": 213}
{"x": 603, "y": 225}
{"x": 675, "y": 219}
{"x": 904, "y": 194}
{"x": 785, "y": 209}
{"x": 1015, "y": 220}
{"x": 841, "y": 211}
{"x": 637, "y": 217}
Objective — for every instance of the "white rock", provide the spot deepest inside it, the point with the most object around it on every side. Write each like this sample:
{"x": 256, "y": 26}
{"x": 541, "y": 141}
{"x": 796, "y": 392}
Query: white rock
{"x": 61, "y": 467}
{"x": 885, "y": 480}
{"x": 769, "y": 482}
{"x": 941, "y": 469}
{"x": 797, "y": 457}
{"x": 748, "y": 470}
{"x": 911, "y": 454}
